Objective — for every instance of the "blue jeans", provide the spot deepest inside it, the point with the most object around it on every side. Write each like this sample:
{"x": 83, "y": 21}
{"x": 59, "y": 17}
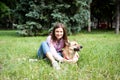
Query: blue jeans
{"x": 43, "y": 49}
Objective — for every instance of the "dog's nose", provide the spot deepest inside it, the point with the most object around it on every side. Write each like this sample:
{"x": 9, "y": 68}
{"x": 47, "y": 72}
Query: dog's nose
{"x": 81, "y": 47}
{"x": 76, "y": 49}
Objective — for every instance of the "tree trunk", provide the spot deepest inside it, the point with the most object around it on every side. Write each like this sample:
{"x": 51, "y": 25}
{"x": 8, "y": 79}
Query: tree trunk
{"x": 117, "y": 18}
{"x": 89, "y": 20}
{"x": 89, "y": 25}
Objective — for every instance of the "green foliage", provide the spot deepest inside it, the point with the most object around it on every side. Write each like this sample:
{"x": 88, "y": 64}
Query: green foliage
{"x": 29, "y": 29}
{"x": 4, "y": 10}
{"x": 74, "y": 14}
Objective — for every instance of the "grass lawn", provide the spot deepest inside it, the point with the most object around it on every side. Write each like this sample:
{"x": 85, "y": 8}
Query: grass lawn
{"x": 99, "y": 58}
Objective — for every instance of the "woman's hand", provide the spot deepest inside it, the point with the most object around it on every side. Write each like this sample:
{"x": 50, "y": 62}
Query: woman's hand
{"x": 70, "y": 60}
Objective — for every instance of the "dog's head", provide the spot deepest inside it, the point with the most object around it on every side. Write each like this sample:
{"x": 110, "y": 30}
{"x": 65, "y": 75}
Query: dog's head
{"x": 70, "y": 49}
{"x": 74, "y": 46}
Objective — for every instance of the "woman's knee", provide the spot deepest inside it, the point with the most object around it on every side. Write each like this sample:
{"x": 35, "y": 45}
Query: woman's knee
{"x": 43, "y": 43}
{"x": 45, "y": 47}
{"x": 40, "y": 50}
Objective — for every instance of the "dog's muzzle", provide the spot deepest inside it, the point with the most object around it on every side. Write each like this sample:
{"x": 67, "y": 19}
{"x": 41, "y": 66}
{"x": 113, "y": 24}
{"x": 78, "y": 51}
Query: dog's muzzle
{"x": 78, "y": 49}
{"x": 81, "y": 47}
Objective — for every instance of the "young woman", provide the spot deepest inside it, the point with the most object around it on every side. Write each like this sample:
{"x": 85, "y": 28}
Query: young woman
{"x": 52, "y": 47}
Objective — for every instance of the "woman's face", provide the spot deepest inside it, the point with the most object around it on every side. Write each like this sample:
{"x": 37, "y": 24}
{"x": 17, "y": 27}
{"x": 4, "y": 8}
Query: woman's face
{"x": 59, "y": 33}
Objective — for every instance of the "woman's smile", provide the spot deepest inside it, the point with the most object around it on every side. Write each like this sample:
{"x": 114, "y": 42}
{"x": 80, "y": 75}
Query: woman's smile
{"x": 59, "y": 33}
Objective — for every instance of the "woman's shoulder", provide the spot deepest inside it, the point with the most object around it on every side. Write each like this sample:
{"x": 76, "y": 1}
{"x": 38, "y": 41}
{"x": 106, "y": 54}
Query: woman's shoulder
{"x": 48, "y": 39}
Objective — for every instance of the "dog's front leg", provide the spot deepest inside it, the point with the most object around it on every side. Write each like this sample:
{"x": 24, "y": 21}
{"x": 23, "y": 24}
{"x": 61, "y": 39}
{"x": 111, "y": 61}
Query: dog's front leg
{"x": 76, "y": 57}
{"x": 76, "y": 54}
{"x": 65, "y": 55}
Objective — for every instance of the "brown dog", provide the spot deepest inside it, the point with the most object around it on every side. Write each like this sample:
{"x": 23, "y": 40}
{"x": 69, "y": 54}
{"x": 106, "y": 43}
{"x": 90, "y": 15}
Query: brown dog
{"x": 71, "y": 50}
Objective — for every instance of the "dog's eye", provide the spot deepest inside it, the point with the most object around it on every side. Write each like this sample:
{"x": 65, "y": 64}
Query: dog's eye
{"x": 75, "y": 44}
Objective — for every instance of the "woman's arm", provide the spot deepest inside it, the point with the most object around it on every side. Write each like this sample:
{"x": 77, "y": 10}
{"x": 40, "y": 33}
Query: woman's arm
{"x": 69, "y": 61}
{"x": 73, "y": 60}
{"x": 56, "y": 55}
{"x": 53, "y": 50}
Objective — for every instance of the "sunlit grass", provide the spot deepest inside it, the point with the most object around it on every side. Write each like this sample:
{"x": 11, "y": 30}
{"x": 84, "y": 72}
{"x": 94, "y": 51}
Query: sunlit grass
{"x": 99, "y": 58}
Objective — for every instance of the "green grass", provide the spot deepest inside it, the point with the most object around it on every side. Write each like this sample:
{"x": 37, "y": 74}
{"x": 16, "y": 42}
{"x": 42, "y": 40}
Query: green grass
{"x": 99, "y": 58}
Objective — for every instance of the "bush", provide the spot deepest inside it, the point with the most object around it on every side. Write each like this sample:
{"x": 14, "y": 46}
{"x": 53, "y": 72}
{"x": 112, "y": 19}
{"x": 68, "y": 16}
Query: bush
{"x": 29, "y": 29}
{"x": 74, "y": 14}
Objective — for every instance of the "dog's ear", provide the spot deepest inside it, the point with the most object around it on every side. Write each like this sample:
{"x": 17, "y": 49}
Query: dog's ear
{"x": 75, "y": 40}
{"x": 67, "y": 43}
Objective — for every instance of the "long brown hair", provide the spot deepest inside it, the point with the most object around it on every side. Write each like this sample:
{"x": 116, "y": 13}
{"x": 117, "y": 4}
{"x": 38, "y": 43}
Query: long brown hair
{"x": 59, "y": 25}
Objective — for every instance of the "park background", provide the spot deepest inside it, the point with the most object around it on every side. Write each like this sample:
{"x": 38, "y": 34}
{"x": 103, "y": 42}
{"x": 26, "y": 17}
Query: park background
{"x": 94, "y": 24}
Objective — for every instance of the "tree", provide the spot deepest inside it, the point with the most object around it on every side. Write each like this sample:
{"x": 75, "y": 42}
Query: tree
{"x": 118, "y": 16}
{"x": 103, "y": 11}
{"x": 73, "y": 13}
{"x": 6, "y": 14}
{"x": 89, "y": 19}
